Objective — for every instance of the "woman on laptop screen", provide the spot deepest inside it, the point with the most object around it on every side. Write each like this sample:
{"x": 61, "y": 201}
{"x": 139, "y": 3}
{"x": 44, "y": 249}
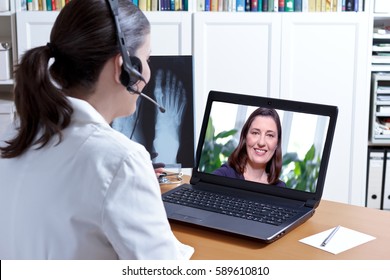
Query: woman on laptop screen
{"x": 258, "y": 156}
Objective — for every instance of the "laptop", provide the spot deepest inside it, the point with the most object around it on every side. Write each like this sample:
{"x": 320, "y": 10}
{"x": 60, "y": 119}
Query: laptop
{"x": 242, "y": 207}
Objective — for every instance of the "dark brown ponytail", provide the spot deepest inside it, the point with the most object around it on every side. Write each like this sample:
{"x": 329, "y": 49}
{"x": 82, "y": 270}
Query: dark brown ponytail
{"x": 41, "y": 106}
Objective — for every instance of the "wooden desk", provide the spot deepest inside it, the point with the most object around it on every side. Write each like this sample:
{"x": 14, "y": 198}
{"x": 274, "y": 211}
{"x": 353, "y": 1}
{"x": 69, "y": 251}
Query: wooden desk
{"x": 212, "y": 245}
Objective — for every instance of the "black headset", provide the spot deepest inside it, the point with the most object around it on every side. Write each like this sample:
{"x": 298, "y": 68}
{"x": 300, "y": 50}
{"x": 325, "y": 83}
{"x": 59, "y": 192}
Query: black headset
{"x": 132, "y": 65}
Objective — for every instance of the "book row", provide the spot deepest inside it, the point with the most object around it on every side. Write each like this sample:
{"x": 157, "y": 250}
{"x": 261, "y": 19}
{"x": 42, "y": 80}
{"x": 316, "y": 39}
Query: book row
{"x": 281, "y": 5}
{"x": 43, "y": 5}
{"x": 221, "y": 5}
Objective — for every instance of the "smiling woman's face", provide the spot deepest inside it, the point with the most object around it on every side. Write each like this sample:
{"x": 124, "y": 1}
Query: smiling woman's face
{"x": 261, "y": 141}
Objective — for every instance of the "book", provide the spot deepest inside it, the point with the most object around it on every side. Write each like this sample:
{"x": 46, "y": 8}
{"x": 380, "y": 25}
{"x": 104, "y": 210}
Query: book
{"x": 48, "y": 5}
{"x": 297, "y": 5}
{"x": 271, "y": 5}
{"x": 318, "y": 5}
{"x": 59, "y": 5}
{"x": 240, "y": 5}
{"x": 328, "y": 5}
{"x": 335, "y": 6}
{"x": 289, "y": 5}
{"x": 214, "y": 5}
{"x": 43, "y": 5}
{"x": 260, "y": 5}
{"x": 35, "y": 5}
{"x": 142, "y": 5}
{"x": 349, "y": 5}
{"x": 265, "y": 6}
{"x": 253, "y": 5}
{"x": 207, "y": 5}
{"x": 281, "y": 5}
{"x": 23, "y": 5}
{"x": 312, "y": 5}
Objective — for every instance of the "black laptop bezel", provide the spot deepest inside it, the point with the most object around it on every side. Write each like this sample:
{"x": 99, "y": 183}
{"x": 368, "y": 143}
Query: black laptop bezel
{"x": 311, "y": 199}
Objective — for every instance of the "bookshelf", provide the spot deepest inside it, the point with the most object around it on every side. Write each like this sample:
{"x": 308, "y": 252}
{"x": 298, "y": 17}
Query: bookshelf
{"x": 380, "y": 109}
{"x": 9, "y": 57}
{"x": 379, "y": 72}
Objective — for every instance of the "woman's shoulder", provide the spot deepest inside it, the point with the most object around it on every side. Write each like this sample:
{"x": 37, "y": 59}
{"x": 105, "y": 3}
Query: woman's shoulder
{"x": 280, "y": 183}
{"x": 227, "y": 171}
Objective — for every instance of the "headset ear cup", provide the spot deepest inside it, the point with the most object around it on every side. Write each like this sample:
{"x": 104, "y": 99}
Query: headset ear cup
{"x": 136, "y": 63}
{"x": 137, "y": 66}
{"x": 125, "y": 77}
{"x": 130, "y": 77}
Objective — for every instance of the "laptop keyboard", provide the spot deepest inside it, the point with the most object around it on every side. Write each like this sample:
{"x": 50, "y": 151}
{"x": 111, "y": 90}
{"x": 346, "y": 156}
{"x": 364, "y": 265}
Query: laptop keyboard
{"x": 232, "y": 206}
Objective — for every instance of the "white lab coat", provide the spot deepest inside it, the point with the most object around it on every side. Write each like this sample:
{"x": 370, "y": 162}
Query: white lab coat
{"x": 93, "y": 196}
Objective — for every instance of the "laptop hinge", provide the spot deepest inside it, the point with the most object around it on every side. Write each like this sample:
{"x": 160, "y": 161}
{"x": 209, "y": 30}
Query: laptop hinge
{"x": 194, "y": 180}
{"x": 312, "y": 203}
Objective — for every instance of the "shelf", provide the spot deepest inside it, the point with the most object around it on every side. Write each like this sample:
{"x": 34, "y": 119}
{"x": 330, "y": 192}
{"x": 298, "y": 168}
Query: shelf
{"x": 382, "y": 115}
{"x": 380, "y": 68}
{"x": 6, "y": 14}
{"x": 383, "y": 103}
{"x": 380, "y": 59}
{"x": 380, "y": 36}
{"x": 6, "y": 82}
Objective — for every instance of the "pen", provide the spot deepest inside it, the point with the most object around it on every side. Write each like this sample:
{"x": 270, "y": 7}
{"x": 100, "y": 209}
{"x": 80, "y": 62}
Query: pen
{"x": 327, "y": 239}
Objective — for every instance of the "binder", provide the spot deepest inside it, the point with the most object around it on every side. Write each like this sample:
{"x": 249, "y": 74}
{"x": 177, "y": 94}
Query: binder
{"x": 386, "y": 185}
{"x": 375, "y": 178}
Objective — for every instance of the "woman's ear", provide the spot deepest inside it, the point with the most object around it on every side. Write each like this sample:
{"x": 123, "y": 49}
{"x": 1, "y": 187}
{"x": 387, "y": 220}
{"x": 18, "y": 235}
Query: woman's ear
{"x": 118, "y": 61}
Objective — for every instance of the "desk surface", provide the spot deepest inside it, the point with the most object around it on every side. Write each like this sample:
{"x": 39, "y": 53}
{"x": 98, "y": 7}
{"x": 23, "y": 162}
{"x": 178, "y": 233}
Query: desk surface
{"x": 212, "y": 245}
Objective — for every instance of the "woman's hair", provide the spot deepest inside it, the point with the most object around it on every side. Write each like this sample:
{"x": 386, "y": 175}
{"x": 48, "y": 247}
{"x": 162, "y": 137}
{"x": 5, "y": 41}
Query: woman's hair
{"x": 239, "y": 156}
{"x": 82, "y": 40}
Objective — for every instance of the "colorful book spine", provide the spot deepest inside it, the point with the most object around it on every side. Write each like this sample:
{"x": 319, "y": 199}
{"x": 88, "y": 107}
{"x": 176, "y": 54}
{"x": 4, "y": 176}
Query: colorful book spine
{"x": 207, "y": 6}
{"x": 48, "y": 5}
{"x": 271, "y": 5}
{"x": 289, "y": 5}
{"x": 349, "y": 5}
{"x": 185, "y": 5}
{"x": 312, "y": 5}
{"x": 248, "y": 5}
{"x": 240, "y": 5}
{"x": 43, "y": 5}
{"x": 200, "y": 5}
{"x": 254, "y": 5}
{"x": 260, "y": 5}
{"x": 58, "y": 5}
{"x": 335, "y": 5}
{"x": 265, "y": 6}
{"x": 281, "y": 5}
{"x": 298, "y": 5}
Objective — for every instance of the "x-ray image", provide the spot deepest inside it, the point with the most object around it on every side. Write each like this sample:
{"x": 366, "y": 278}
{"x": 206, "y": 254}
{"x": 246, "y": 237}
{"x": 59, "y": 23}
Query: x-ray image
{"x": 168, "y": 136}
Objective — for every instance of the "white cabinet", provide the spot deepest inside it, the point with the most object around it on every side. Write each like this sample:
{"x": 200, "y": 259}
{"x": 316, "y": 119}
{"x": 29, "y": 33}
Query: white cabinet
{"x": 313, "y": 57}
{"x": 235, "y": 52}
{"x": 324, "y": 59}
{"x": 171, "y": 31}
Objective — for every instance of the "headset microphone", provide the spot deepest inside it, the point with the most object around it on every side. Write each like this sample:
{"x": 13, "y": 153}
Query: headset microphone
{"x": 132, "y": 65}
{"x": 161, "y": 108}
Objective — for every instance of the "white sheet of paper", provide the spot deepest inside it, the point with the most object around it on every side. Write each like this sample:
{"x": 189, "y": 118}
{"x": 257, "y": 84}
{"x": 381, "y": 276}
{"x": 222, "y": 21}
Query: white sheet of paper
{"x": 343, "y": 240}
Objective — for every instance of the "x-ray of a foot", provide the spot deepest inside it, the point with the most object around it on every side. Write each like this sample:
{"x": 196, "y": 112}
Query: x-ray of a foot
{"x": 170, "y": 93}
{"x": 127, "y": 125}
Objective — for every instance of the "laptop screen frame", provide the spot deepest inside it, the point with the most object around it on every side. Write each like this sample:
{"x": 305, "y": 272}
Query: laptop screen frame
{"x": 277, "y": 104}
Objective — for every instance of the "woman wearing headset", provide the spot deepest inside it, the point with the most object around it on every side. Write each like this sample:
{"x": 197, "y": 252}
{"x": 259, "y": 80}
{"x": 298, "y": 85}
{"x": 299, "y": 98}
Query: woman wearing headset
{"x": 71, "y": 186}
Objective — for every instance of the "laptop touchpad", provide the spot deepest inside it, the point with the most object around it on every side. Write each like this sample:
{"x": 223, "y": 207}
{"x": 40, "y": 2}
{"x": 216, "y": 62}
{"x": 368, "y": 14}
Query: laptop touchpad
{"x": 183, "y": 217}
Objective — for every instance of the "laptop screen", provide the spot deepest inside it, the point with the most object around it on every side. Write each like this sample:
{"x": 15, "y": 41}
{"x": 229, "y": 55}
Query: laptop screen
{"x": 274, "y": 142}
